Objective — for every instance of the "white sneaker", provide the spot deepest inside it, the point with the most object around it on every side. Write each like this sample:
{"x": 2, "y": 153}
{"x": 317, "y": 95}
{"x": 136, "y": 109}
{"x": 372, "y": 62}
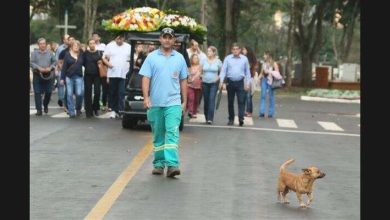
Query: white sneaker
{"x": 118, "y": 116}
{"x": 112, "y": 114}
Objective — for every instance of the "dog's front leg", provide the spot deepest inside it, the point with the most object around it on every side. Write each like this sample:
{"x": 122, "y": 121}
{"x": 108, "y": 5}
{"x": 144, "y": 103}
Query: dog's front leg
{"x": 310, "y": 198}
{"x": 301, "y": 203}
{"x": 280, "y": 198}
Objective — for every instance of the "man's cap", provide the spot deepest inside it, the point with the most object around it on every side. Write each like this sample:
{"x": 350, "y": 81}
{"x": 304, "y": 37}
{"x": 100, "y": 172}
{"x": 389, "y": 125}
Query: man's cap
{"x": 167, "y": 30}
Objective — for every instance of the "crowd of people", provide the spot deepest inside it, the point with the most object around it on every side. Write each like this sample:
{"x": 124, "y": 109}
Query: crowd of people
{"x": 76, "y": 75}
{"x": 240, "y": 73}
{"x": 77, "y": 80}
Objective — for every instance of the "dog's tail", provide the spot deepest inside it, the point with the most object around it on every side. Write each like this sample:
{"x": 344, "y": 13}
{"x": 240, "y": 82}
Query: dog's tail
{"x": 285, "y": 164}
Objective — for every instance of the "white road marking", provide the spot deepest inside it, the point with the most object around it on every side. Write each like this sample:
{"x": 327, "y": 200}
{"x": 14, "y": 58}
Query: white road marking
{"x": 50, "y": 107}
{"x": 33, "y": 111}
{"x": 105, "y": 115}
{"x": 247, "y": 120}
{"x": 60, "y": 115}
{"x": 200, "y": 118}
{"x": 286, "y": 123}
{"x": 271, "y": 129}
{"x": 331, "y": 126}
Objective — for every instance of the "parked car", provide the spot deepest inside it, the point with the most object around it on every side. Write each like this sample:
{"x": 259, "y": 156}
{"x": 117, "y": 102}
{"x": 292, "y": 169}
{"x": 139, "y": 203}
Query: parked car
{"x": 134, "y": 111}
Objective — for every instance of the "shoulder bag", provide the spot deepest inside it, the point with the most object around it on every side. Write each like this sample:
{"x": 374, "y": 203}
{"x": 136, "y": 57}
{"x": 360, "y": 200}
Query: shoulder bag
{"x": 102, "y": 68}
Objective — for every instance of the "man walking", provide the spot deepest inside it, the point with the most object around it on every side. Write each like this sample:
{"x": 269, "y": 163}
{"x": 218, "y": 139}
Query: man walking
{"x": 42, "y": 61}
{"x": 165, "y": 79}
{"x": 116, "y": 56}
{"x": 236, "y": 69}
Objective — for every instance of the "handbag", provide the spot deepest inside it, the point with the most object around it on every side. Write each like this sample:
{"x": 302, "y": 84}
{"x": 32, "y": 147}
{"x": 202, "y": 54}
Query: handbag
{"x": 101, "y": 66}
{"x": 277, "y": 83}
{"x": 44, "y": 76}
{"x": 102, "y": 69}
{"x": 47, "y": 76}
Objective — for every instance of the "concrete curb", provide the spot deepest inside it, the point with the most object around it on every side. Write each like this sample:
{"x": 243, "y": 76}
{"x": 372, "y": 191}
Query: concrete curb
{"x": 322, "y": 99}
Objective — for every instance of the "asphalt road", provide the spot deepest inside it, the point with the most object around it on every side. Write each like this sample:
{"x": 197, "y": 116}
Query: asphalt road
{"x": 93, "y": 168}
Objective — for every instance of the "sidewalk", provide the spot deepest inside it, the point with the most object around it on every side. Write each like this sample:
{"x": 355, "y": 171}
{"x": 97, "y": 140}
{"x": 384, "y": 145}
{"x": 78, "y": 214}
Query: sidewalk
{"x": 322, "y": 99}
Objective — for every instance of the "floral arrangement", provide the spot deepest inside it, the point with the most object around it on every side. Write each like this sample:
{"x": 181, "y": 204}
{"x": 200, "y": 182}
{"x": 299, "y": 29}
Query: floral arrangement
{"x": 138, "y": 19}
{"x": 185, "y": 24}
{"x": 147, "y": 19}
{"x": 174, "y": 20}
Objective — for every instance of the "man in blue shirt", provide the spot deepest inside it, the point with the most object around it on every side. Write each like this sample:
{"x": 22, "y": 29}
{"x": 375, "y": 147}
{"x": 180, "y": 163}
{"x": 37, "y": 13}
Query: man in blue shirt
{"x": 164, "y": 87}
{"x": 236, "y": 69}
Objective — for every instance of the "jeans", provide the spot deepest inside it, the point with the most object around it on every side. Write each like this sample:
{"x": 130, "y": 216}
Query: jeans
{"x": 165, "y": 123}
{"x": 265, "y": 88}
{"x": 74, "y": 84}
{"x": 248, "y": 101}
{"x": 41, "y": 86}
{"x": 233, "y": 88}
{"x": 60, "y": 89}
{"x": 209, "y": 94}
{"x": 117, "y": 94}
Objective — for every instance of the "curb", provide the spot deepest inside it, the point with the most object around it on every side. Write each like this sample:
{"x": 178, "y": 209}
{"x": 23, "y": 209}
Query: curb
{"x": 321, "y": 99}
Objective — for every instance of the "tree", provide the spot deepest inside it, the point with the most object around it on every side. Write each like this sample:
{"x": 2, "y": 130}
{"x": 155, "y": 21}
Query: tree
{"x": 40, "y": 6}
{"x": 308, "y": 35}
{"x": 345, "y": 14}
{"x": 290, "y": 45}
{"x": 231, "y": 22}
{"x": 215, "y": 25}
{"x": 90, "y": 8}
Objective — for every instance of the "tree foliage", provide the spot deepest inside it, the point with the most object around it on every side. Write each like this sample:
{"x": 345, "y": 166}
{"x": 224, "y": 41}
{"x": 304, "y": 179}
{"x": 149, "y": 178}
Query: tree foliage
{"x": 40, "y": 6}
{"x": 250, "y": 22}
{"x": 343, "y": 18}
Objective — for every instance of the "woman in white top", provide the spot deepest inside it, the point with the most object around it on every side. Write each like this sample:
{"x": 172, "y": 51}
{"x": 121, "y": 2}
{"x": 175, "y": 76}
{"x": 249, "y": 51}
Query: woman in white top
{"x": 269, "y": 70}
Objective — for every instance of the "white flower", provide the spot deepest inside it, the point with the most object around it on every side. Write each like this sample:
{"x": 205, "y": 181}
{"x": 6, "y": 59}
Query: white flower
{"x": 138, "y": 17}
{"x": 175, "y": 23}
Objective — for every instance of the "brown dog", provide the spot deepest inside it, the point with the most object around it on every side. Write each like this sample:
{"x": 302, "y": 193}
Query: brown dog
{"x": 300, "y": 184}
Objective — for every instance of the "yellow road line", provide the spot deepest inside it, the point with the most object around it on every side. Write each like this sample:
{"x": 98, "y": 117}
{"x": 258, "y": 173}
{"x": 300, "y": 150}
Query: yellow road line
{"x": 108, "y": 199}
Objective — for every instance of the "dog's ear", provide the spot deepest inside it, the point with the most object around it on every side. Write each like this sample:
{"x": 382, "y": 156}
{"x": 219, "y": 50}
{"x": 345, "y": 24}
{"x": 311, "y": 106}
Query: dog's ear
{"x": 306, "y": 171}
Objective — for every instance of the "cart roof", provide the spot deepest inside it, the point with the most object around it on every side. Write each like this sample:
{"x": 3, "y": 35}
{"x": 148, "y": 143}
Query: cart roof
{"x": 153, "y": 36}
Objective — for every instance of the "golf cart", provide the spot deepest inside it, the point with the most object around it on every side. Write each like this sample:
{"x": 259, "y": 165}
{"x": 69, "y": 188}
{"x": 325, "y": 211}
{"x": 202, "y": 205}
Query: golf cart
{"x": 134, "y": 111}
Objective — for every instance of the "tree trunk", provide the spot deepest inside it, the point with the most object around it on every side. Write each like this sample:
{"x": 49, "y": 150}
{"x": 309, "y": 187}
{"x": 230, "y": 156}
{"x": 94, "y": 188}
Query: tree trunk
{"x": 163, "y": 4}
{"x": 90, "y": 8}
{"x": 341, "y": 47}
{"x": 87, "y": 8}
{"x": 228, "y": 26}
{"x": 334, "y": 45}
{"x": 93, "y": 18}
{"x": 290, "y": 45}
{"x": 350, "y": 30}
{"x": 203, "y": 21}
{"x": 231, "y": 21}
{"x": 220, "y": 25}
{"x": 306, "y": 71}
{"x": 309, "y": 37}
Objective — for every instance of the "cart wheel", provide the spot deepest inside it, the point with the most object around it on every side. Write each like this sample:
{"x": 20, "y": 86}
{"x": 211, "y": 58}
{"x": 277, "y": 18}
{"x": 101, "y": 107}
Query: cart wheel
{"x": 128, "y": 122}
